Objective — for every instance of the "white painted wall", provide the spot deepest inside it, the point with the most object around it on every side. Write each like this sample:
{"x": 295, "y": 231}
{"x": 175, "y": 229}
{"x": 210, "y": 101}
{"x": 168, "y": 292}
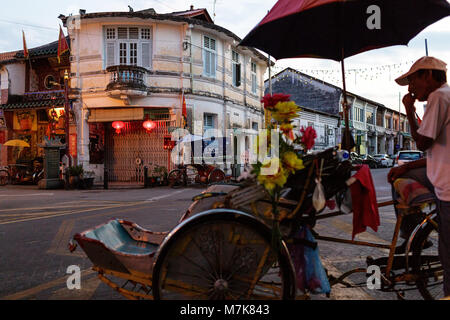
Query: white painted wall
{"x": 14, "y": 77}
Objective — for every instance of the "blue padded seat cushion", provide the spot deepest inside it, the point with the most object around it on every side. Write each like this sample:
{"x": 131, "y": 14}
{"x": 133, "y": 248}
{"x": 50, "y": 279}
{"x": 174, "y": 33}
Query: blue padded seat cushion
{"x": 114, "y": 236}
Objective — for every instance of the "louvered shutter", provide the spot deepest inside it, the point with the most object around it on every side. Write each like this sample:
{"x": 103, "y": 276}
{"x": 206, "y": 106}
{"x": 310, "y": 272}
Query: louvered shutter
{"x": 146, "y": 55}
{"x": 110, "y": 54}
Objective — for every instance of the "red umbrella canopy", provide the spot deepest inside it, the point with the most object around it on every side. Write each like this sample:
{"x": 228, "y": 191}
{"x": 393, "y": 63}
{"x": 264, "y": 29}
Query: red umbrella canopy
{"x": 336, "y": 29}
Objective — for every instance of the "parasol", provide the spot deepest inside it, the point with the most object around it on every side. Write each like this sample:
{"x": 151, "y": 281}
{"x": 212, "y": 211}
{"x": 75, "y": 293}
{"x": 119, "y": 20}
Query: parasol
{"x": 16, "y": 143}
{"x": 190, "y": 138}
{"x": 337, "y": 29}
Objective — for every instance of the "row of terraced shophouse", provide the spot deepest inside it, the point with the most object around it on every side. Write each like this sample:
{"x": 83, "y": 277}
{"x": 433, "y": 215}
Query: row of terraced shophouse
{"x": 132, "y": 67}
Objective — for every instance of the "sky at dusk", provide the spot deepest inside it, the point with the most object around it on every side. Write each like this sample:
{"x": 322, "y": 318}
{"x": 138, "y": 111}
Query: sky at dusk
{"x": 370, "y": 74}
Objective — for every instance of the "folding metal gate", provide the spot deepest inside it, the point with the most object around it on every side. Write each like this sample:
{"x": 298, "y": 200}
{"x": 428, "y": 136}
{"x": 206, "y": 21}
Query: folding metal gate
{"x": 127, "y": 152}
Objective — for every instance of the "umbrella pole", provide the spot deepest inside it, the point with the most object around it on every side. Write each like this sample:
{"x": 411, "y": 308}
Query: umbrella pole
{"x": 348, "y": 145}
{"x": 347, "y": 131}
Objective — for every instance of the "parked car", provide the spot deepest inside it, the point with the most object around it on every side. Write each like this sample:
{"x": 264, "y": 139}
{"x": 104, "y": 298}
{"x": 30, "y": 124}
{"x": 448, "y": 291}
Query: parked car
{"x": 384, "y": 160}
{"x": 355, "y": 158}
{"x": 369, "y": 160}
{"x": 405, "y": 156}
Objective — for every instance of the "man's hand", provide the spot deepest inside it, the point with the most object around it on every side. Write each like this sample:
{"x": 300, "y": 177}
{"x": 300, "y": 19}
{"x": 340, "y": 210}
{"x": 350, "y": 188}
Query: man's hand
{"x": 408, "y": 102}
{"x": 395, "y": 173}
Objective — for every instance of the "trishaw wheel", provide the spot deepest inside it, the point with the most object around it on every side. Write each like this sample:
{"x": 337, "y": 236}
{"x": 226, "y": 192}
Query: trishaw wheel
{"x": 216, "y": 175}
{"x": 175, "y": 178}
{"x": 4, "y": 177}
{"x": 425, "y": 262}
{"x": 222, "y": 255}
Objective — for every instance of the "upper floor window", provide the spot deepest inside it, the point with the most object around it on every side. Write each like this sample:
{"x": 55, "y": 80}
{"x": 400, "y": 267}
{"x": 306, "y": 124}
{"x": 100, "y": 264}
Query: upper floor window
{"x": 388, "y": 123}
{"x": 254, "y": 79}
{"x": 359, "y": 114}
{"x": 128, "y": 46}
{"x": 209, "y": 57}
{"x": 209, "y": 121}
{"x": 236, "y": 65}
{"x": 369, "y": 117}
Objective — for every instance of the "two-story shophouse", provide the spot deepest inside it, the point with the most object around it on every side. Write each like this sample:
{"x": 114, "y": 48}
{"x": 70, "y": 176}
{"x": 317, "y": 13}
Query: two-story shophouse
{"x": 375, "y": 128}
{"x": 137, "y": 68}
{"x": 32, "y": 97}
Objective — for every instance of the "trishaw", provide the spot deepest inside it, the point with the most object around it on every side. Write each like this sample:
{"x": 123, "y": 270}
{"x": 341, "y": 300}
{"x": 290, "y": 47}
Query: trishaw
{"x": 223, "y": 247}
{"x": 195, "y": 173}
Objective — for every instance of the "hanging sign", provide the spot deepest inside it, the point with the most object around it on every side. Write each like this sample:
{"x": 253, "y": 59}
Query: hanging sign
{"x": 73, "y": 144}
{"x": 25, "y": 120}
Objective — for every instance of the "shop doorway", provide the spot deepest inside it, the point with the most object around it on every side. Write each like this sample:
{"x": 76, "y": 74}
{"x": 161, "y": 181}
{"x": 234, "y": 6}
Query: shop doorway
{"x": 127, "y": 152}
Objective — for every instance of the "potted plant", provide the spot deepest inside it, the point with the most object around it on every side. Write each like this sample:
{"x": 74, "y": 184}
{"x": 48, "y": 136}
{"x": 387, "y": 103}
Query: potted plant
{"x": 88, "y": 179}
{"x": 160, "y": 175}
{"x": 75, "y": 174}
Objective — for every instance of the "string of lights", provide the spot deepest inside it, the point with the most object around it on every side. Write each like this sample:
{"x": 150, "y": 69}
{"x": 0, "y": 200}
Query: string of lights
{"x": 334, "y": 76}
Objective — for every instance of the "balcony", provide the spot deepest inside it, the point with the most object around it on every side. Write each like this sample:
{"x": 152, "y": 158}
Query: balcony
{"x": 126, "y": 81}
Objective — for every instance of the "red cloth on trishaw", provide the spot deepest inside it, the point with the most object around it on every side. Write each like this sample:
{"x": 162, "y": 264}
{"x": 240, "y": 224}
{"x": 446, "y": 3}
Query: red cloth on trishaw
{"x": 364, "y": 201}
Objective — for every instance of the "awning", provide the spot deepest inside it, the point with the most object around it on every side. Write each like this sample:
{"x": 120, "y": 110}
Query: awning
{"x": 116, "y": 114}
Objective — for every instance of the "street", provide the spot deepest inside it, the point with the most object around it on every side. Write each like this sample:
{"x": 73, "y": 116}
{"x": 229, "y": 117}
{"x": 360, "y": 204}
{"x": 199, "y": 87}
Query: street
{"x": 36, "y": 226}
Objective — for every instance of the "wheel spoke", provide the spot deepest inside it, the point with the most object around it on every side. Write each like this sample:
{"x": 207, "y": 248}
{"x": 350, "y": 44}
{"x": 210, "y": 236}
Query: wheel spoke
{"x": 217, "y": 257}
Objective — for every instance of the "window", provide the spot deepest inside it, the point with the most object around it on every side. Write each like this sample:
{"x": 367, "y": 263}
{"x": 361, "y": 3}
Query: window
{"x": 208, "y": 121}
{"x": 388, "y": 122}
{"x": 209, "y": 57}
{"x": 369, "y": 117}
{"x": 254, "y": 79}
{"x": 236, "y": 69}
{"x": 255, "y": 126}
{"x": 359, "y": 114}
{"x": 128, "y": 46}
{"x": 145, "y": 34}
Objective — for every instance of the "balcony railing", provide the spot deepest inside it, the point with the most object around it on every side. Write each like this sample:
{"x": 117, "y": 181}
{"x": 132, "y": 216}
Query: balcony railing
{"x": 125, "y": 77}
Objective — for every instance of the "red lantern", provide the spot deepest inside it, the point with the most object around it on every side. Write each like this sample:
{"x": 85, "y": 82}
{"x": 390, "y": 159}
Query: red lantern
{"x": 118, "y": 125}
{"x": 149, "y": 125}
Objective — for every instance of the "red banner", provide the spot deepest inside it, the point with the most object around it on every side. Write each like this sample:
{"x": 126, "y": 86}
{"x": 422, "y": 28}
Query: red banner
{"x": 73, "y": 144}
{"x": 25, "y": 49}
{"x": 63, "y": 46}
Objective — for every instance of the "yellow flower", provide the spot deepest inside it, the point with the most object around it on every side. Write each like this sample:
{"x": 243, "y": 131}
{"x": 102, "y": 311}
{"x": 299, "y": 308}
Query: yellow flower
{"x": 272, "y": 174}
{"x": 285, "y": 111}
{"x": 286, "y": 127}
{"x": 291, "y": 162}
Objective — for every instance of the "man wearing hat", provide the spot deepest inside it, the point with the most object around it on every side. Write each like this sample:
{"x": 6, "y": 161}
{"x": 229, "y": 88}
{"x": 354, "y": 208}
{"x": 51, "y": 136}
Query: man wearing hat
{"x": 427, "y": 81}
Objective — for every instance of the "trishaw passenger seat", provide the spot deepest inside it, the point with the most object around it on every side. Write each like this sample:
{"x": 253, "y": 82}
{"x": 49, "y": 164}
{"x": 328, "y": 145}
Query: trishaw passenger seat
{"x": 412, "y": 193}
{"x": 114, "y": 236}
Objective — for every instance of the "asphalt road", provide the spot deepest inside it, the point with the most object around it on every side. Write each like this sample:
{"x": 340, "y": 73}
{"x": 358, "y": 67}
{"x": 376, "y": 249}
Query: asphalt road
{"x": 36, "y": 226}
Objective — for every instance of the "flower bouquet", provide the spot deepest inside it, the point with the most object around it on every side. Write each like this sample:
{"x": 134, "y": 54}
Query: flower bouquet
{"x": 282, "y": 157}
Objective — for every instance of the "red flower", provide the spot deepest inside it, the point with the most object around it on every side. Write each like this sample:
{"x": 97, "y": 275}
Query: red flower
{"x": 308, "y": 137}
{"x": 271, "y": 100}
